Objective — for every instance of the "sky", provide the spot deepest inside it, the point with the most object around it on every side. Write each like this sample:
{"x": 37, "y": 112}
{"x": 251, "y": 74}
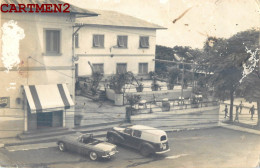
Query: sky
{"x": 203, "y": 18}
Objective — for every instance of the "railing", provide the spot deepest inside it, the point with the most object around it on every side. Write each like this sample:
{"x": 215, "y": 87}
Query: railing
{"x": 171, "y": 105}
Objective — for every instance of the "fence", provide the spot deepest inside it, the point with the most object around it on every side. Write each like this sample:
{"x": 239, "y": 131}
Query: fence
{"x": 170, "y": 105}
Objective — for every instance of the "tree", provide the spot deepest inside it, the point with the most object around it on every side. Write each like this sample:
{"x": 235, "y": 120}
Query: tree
{"x": 163, "y": 53}
{"x": 226, "y": 59}
{"x": 225, "y": 74}
{"x": 250, "y": 82}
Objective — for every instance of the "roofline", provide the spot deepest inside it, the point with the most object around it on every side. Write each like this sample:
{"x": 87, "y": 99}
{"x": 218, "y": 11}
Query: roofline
{"x": 85, "y": 24}
{"x": 84, "y": 14}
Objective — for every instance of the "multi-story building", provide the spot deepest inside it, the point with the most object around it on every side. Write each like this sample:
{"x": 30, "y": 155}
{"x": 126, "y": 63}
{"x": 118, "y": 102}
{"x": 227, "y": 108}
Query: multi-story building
{"x": 36, "y": 69}
{"x": 114, "y": 42}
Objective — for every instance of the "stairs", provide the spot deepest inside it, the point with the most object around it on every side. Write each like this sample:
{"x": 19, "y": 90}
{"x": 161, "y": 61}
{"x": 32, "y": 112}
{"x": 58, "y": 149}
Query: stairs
{"x": 101, "y": 95}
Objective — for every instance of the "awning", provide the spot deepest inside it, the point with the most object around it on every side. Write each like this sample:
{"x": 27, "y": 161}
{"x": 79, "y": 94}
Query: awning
{"x": 47, "y": 98}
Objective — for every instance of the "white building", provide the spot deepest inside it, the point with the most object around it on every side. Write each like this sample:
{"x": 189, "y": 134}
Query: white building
{"x": 113, "y": 42}
{"x": 38, "y": 91}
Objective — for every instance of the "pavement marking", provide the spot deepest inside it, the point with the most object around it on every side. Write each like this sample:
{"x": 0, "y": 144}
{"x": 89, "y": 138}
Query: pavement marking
{"x": 30, "y": 146}
{"x": 176, "y": 156}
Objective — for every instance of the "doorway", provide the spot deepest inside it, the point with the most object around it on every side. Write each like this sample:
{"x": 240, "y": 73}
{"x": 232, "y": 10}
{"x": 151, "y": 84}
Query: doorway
{"x": 44, "y": 120}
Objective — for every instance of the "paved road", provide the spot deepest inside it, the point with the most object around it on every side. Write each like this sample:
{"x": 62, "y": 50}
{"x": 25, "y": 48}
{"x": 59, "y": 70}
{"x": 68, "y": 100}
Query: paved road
{"x": 206, "y": 148}
{"x": 180, "y": 119}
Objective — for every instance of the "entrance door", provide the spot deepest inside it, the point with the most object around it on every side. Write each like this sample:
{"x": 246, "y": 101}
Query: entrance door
{"x": 57, "y": 118}
{"x": 44, "y": 120}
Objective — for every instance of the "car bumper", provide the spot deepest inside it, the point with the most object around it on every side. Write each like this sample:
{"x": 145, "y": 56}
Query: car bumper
{"x": 110, "y": 154}
{"x": 163, "y": 151}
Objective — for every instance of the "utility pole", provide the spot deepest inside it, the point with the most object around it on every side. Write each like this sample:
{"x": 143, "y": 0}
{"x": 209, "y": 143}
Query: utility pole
{"x": 182, "y": 82}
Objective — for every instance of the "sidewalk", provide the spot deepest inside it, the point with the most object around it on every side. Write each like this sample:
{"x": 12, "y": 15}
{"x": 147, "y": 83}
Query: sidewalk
{"x": 239, "y": 128}
{"x": 98, "y": 112}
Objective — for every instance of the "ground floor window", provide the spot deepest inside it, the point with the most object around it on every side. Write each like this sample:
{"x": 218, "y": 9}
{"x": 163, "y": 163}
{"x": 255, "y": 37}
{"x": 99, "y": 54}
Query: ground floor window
{"x": 121, "y": 68}
{"x": 98, "y": 68}
{"x": 143, "y": 68}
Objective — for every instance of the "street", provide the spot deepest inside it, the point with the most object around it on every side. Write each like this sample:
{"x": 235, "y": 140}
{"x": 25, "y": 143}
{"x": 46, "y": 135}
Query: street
{"x": 205, "y": 148}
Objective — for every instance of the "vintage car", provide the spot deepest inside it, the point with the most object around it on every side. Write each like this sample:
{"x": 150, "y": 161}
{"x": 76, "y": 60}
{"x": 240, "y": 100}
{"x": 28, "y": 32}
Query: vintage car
{"x": 146, "y": 139}
{"x": 86, "y": 145}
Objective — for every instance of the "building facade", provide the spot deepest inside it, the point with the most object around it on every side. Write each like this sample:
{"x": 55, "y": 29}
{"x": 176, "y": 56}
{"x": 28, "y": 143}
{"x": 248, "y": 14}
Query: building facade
{"x": 37, "y": 70}
{"x": 115, "y": 43}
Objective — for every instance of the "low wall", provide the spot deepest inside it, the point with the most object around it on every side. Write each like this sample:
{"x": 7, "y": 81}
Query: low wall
{"x": 159, "y": 95}
{"x": 153, "y": 95}
{"x": 110, "y": 94}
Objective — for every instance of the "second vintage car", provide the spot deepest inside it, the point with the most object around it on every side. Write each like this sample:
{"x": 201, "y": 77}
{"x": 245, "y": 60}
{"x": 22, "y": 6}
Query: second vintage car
{"x": 146, "y": 139}
{"x": 86, "y": 145}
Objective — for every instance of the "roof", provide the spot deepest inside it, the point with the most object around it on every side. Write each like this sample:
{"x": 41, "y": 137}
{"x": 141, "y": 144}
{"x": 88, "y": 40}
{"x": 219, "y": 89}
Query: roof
{"x": 148, "y": 129}
{"x": 112, "y": 18}
{"x": 73, "y": 9}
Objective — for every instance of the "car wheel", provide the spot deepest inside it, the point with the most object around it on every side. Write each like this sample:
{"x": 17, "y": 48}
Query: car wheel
{"x": 93, "y": 156}
{"x": 111, "y": 139}
{"x": 62, "y": 146}
{"x": 145, "y": 151}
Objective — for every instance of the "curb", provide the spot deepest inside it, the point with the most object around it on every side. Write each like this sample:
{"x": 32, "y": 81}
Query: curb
{"x": 104, "y": 135}
{"x": 190, "y": 129}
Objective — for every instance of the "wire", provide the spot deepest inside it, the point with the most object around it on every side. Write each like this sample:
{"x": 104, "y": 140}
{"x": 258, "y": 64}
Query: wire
{"x": 50, "y": 68}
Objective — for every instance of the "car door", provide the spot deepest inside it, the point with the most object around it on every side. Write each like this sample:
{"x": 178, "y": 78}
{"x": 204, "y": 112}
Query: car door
{"x": 83, "y": 148}
{"x": 127, "y": 135}
{"x": 136, "y": 138}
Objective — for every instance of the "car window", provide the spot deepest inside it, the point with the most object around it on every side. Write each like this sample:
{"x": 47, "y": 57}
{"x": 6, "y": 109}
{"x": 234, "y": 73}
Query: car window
{"x": 137, "y": 133}
{"x": 128, "y": 131}
{"x": 163, "y": 138}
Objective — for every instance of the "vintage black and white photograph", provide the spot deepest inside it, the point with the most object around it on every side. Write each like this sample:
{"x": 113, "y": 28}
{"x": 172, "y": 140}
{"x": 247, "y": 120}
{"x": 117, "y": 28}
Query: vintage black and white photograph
{"x": 130, "y": 84}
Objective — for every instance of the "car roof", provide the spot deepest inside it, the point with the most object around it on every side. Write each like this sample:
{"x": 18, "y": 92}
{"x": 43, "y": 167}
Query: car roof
{"x": 148, "y": 129}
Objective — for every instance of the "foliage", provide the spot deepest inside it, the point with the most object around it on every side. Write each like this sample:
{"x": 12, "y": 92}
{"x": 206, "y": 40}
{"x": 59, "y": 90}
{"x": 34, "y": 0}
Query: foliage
{"x": 224, "y": 59}
{"x": 163, "y": 53}
{"x": 155, "y": 86}
{"x": 95, "y": 80}
{"x": 118, "y": 81}
{"x": 173, "y": 75}
{"x": 133, "y": 99}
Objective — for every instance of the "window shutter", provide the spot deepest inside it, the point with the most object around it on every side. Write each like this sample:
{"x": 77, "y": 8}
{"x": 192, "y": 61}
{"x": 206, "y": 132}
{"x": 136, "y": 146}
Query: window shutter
{"x": 48, "y": 41}
{"x": 147, "y": 41}
{"x": 95, "y": 41}
{"x": 125, "y": 41}
{"x": 56, "y": 41}
{"x": 101, "y": 40}
{"x": 120, "y": 41}
{"x": 144, "y": 42}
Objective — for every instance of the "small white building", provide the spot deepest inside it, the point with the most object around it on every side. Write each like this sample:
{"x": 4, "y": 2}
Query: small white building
{"x": 114, "y": 42}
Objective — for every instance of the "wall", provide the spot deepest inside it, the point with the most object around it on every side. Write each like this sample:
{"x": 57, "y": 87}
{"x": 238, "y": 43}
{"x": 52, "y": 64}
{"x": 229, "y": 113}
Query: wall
{"x": 150, "y": 96}
{"x": 110, "y": 55}
{"x": 42, "y": 69}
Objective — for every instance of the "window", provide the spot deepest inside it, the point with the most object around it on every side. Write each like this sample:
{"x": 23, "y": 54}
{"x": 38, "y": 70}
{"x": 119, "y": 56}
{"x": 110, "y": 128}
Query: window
{"x": 98, "y": 68}
{"x": 121, "y": 68}
{"x": 98, "y": 41}
{"x": 76, "y": 70}
{"x": 137, "y": 133}
{"x": 122, "y": 41}
{"x": 144, "y": 42}
{"x": 128, "y": 131}
{"x": 52, "y": 41}
{"x": 163, "y": 138}
{"x": 143, "y": 68}
{"x": 76, "y": 40}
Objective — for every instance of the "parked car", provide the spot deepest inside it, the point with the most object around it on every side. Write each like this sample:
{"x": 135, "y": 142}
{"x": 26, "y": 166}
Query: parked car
{"x": 146, "y": 139}
{"x": 86, "y": 145}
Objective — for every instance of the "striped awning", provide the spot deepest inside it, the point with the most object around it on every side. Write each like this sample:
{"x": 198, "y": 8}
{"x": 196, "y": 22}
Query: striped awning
{"x": 48, "y": 98}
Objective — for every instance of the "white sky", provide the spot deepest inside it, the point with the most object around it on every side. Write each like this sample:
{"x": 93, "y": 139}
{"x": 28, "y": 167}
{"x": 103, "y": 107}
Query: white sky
{"x": 219, "y": 18}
